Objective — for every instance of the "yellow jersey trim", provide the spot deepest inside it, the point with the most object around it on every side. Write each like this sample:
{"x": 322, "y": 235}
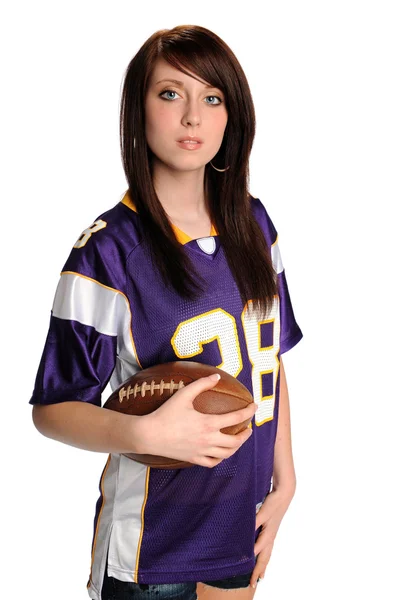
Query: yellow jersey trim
{"x": 181, "y": 236}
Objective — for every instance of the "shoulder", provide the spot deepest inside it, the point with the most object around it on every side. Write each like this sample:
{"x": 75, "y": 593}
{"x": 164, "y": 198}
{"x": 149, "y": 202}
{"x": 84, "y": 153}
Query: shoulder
{"x": 264, "y": 220}
{"x": 101, "y": 249}
{"x": 117, "y": 226}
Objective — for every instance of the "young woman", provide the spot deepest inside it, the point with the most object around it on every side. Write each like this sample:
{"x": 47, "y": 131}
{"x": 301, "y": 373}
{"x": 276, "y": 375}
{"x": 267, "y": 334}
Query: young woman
{"x": 186, "y": 266}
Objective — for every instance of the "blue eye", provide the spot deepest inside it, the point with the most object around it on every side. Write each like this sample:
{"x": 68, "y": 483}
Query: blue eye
{"x": 167, "y": 92}
{"x": 173, "y": 92}
{"x": 220, "y": 101}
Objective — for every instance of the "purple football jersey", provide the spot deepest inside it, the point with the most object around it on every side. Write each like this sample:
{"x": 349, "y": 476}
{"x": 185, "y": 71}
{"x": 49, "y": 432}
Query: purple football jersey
{"x": 111, "y": 317}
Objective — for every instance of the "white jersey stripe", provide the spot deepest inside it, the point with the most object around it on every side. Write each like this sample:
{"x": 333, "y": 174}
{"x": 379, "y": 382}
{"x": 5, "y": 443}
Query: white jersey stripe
{"x": 91, "y": 303}
{"x": 276, "y": 257}
{"x": 124, "y": 536}
{"x": 85, "y": 300}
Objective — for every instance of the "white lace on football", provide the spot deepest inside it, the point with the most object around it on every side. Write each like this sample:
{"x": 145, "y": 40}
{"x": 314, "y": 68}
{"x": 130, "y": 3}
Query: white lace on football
{"x": 145, "y": 387}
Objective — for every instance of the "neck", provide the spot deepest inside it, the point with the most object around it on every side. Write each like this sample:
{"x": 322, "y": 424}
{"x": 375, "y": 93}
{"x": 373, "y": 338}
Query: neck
{"x": 180, "y": 192}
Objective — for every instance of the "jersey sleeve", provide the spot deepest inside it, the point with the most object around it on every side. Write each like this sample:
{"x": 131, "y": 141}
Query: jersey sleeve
{"x": 290, "y": 333}
{"x": 89, "y": 325}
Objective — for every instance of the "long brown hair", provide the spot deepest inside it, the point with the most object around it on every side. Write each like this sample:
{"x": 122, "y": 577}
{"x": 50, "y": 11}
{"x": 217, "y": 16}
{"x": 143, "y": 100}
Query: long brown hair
{"x": 201, "y": 51}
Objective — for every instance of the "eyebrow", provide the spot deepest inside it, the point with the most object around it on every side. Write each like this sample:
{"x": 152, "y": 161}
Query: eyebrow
{"x": 181, "y": 84}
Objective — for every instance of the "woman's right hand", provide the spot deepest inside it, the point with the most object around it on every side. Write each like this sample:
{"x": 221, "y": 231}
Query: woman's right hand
{"x": 177, "y": 430}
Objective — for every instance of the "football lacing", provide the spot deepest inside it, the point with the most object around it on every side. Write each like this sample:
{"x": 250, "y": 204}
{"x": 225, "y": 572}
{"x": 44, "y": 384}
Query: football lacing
{"x": 152, "y": 386}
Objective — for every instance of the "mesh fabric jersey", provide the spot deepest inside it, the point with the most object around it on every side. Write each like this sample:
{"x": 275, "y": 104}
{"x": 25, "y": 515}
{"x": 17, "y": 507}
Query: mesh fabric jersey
{"x": 112, "y": 316}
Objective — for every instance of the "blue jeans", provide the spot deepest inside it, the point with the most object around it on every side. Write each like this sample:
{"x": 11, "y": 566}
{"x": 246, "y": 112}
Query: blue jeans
{"x": 114, "y": 589}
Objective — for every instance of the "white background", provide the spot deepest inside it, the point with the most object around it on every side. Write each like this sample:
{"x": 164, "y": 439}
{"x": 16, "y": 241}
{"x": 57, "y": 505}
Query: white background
{"x": 325, "y": 162}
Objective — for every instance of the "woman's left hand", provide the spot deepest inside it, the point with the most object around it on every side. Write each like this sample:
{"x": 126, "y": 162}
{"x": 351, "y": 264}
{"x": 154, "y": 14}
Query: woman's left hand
{"x": 269, "y": 516}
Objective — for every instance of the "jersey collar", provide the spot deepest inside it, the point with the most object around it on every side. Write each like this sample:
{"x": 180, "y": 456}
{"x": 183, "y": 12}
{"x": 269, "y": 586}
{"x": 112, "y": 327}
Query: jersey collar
{"x": 181, "y": 236}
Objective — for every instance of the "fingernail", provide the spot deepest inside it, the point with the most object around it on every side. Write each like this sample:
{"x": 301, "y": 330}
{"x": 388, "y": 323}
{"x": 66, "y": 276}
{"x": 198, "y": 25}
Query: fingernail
{"x": 215, "y": 376}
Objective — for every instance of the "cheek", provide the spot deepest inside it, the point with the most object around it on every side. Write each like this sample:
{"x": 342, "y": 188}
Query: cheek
{"x": 159, "y": 121}
{"x": 217, "y": 127}
{"x": 223, "y": 120}
{"x": 218, "y": 121}
{"x": 159, "y": 130}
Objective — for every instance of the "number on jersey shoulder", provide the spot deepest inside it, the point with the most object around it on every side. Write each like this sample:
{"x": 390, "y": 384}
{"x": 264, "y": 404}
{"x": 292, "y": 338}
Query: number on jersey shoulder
{"x": 87, "y": 233}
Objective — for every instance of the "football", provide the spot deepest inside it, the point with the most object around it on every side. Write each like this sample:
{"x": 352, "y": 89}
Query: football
{"x": 149, "y": 388}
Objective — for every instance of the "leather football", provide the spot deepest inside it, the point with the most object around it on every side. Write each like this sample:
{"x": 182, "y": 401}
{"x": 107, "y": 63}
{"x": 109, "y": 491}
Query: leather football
{"x": 149, "y": 388}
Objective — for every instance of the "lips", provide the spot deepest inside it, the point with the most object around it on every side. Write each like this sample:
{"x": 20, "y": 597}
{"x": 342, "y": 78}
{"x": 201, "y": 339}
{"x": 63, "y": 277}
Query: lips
{"x": 191, "y": 140}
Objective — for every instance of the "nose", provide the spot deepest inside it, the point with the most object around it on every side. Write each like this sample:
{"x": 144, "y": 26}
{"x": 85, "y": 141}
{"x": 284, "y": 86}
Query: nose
{"x": 194, "y": 121}
{"x": 191, "y": 115}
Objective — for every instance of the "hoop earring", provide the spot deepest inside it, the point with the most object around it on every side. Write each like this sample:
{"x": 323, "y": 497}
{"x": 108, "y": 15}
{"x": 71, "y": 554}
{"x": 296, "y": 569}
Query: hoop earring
{"x": 220, "y": 170}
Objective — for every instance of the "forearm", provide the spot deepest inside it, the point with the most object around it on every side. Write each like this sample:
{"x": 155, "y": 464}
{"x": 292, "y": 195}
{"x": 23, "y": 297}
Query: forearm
{"x": 284, "y": 477}
{"x": 90, "y": 427}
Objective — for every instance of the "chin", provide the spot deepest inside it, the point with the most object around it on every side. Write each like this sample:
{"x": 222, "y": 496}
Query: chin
{"x": 185, "y": 165}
